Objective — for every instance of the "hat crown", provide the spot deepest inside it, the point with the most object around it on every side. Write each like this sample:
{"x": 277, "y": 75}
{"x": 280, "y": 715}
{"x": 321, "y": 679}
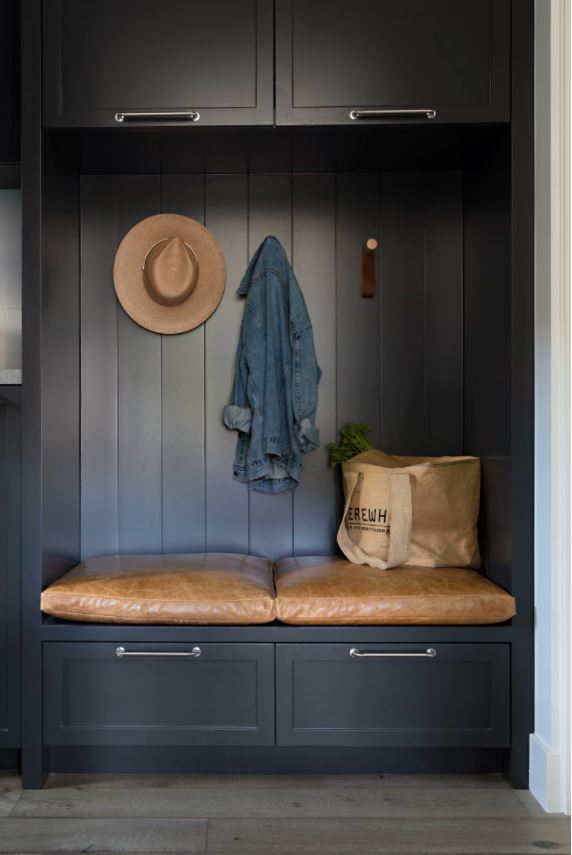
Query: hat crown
{"x": 171, "y": 270}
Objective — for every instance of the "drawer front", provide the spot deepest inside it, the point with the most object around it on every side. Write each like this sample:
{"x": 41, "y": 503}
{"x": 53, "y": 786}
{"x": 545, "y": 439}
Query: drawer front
{"x": 153, "y": 695}
{"x": 458, "y": 696}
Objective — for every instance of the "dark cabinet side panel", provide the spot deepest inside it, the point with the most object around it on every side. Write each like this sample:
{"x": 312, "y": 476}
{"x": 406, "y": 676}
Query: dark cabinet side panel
{"x": 458, "y": 698}
{"x": 9, "y": 567}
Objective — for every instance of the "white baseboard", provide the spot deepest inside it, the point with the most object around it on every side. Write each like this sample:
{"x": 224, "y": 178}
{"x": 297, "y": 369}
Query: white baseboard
{"x": 546, "y": 776}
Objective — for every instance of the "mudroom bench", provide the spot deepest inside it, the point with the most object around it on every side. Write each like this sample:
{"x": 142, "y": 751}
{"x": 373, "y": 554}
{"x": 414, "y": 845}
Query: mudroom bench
{"x": 279, "y": 688}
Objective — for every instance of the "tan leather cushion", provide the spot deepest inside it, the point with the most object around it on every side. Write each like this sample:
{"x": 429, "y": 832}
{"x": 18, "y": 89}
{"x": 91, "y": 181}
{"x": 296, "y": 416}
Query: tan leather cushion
{"x": 331, "y": 590}
{"x": 217, "y": 588}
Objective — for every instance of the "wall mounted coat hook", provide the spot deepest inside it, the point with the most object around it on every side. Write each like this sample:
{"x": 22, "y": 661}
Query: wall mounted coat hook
{"x": 368, "y": 268}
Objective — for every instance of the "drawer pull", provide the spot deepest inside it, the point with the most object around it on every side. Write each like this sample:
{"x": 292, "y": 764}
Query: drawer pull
{"x": 427, "y": 112}
{"x": 121, "y": 652}
{"x": 355, "y": 653}
{"x": 189, "y": 115}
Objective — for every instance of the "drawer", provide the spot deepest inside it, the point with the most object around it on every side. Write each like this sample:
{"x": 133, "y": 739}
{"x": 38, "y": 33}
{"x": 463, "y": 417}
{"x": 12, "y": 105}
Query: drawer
{"x": 397, "y": 695}
{"x": 158, "y": 694}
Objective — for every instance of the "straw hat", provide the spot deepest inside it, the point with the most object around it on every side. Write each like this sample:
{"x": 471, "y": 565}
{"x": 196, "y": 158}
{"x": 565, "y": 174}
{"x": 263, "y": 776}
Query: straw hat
{"x": 169, "y": 273}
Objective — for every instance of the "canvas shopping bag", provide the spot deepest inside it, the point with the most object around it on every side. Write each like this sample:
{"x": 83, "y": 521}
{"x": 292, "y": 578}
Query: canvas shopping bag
{"x": 413, "y": 511}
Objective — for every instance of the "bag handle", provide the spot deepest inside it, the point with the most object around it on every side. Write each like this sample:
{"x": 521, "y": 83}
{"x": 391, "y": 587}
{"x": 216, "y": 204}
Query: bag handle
{"x": 400, "y": 523}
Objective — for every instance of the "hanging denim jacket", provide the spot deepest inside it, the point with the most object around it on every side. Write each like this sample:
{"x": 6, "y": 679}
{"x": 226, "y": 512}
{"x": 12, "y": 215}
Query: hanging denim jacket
{"x": 275, "y": 392}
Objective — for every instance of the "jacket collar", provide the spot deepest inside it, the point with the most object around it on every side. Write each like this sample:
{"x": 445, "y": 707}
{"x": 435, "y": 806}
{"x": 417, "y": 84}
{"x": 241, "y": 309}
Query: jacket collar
{"x": 270, "y": 252}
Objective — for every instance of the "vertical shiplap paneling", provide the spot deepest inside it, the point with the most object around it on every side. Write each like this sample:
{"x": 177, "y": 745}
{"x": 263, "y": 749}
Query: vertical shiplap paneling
{"x": 183, "y": 389}
{"x": 358, "y": 363}
{"x": 60, "y": 375}
{"x": 443, "y": 311}
{"x": 270, "y": 213}
{"x": 226, "y": 500}
{"x": 402, "y": 262}
{"x": 156, "y": 458}
{"x": 314, "y": 249}
{"x": 99, "y": 518}
{"x": 139, "y": 396}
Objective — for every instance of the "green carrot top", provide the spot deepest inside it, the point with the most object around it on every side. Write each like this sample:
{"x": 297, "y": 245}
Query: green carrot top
{"x": 353, "y": 440}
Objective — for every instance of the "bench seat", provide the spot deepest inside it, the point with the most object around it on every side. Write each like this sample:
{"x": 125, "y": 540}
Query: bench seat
{"x": 192, "y": 589}
{"x": 328, "y": 590}
{"x": 226, "y": 588}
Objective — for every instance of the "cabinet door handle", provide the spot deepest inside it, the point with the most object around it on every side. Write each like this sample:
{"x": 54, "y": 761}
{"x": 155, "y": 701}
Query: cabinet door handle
{"x": 426, "y": 112}
{"x": 189, "y": 115}
{"x": 355, "y": 653}
{"x": 121, "y": 652}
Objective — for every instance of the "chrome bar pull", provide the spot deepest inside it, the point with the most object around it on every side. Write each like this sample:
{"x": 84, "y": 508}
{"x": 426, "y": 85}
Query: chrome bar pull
{"x": 185, "y": 115}
{"x": 121, "y": 652}
{"x": 355, "y": 653}
{"x": 424, "y": 112}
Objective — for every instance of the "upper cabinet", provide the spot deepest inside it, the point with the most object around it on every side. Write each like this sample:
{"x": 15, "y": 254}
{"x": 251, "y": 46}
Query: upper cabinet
{"x": 366, "y": 61}
{"x": 119, "y": 62}
{"x": 10, "y": 82}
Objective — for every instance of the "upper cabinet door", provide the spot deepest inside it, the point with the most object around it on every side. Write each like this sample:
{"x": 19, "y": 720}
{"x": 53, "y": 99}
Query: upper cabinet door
{"x": 171, "y": 61}
{"x": 371, "y": 61}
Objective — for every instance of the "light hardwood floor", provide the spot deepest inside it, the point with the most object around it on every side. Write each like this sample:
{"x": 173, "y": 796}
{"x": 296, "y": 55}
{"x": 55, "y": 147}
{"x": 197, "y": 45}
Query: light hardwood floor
{"x": 277, "y": 815}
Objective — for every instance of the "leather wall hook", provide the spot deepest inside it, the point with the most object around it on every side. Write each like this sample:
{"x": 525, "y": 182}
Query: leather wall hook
{"x": 368, "y": 268}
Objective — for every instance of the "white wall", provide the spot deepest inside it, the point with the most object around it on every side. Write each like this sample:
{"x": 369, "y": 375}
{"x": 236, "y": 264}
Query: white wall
{"x": 549, "y": 759}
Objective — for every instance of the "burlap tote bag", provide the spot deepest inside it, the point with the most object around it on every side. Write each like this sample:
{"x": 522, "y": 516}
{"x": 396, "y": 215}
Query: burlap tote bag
{"x": 412, "y": 511}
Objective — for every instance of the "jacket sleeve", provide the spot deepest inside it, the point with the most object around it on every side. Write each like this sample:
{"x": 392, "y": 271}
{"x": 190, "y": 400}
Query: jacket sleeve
{"x": 305, "y": 378}
{"x": 238, "y": 413}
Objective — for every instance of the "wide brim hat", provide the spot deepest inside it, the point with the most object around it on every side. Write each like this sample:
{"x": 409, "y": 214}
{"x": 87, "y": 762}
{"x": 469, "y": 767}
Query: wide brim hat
{"x": 169, "y": 273}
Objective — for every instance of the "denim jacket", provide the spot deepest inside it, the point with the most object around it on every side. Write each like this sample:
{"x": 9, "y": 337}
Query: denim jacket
{"x": 275, "y": 392}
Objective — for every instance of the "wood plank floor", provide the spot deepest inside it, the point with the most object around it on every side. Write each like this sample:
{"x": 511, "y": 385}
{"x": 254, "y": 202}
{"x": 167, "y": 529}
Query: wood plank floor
{"x": 277, "y": 815}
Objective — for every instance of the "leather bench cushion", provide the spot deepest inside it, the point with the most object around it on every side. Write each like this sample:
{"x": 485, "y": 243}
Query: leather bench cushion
{"x": 331, "y": 590}
{"x": 214, "y": 588}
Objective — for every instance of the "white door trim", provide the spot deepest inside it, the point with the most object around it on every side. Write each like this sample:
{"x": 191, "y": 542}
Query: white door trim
{"x": 549, "y": 760}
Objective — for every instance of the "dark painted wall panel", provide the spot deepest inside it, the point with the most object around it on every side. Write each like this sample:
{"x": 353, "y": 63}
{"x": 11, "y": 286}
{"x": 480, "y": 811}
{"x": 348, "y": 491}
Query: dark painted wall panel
{"x": 316, "y": 505}
{"x": 139, "y": 397}
{"x": 156, "y": 458}
{"x": 402, "y": 273}
{"x": 183, "y": 402}
{"x": 99, "y": 312}
{"x": 421, "y": 258}
{"x": 60, "y": 378}
{"x": 357, "y": 332}
{"x": 226, "y": 500}
{"x": 443, "y": 311}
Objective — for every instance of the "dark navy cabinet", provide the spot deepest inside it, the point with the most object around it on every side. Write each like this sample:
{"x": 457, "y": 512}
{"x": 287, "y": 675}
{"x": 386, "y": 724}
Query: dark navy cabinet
{"x": 9, "y": 567}
{"x": 123, "y": 449}
{"x": 444, "y": 60}
{"x": 406, "y": 695}
{"x": 211, "y": 61}
{"x": 180, "y": 62}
